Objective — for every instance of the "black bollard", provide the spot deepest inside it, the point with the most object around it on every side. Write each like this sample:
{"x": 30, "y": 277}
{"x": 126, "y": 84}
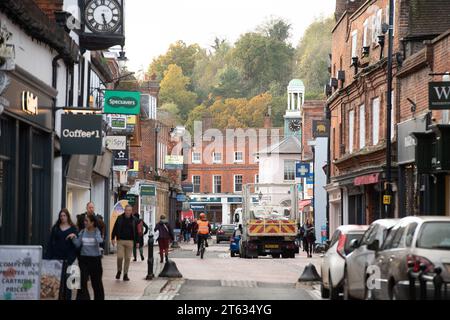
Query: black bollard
{"x": 309, "y": 274}
{"x": 150, "y": 259}
{"x": 438, "y": 282}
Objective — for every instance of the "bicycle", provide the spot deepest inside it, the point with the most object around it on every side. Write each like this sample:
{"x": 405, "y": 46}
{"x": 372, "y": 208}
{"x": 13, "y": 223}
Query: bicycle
{"x": 202, "y": 247}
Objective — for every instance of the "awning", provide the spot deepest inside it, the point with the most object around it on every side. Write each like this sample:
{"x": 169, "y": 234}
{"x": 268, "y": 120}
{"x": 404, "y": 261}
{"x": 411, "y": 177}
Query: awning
{"x": 369, "y": 179}
{"x": 304, "y": 203}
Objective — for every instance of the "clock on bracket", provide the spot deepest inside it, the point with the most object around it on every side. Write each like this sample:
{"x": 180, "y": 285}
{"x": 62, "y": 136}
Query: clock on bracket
{"x": 103, "y": 16}
{"x": 295, "y": 125}
{"x": 102, "y": 24}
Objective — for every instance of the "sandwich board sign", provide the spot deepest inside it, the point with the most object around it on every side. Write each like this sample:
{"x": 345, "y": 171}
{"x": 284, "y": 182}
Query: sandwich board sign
{"x": 20, "y": 272}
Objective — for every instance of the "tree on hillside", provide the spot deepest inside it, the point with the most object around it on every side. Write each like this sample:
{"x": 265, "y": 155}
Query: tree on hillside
{"x": 312, "y": 56}
{"x": 174, "y": 90}
{"x": 179, "y": 53}
{"x": 265, "y": 56}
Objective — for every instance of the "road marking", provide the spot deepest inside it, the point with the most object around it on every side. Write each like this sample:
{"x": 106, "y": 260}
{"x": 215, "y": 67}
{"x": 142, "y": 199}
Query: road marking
{"x": 239, "y": 283}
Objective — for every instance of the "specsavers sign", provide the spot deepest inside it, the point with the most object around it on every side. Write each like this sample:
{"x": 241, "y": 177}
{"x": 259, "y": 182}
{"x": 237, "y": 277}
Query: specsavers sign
{"x": 122, "y": 102}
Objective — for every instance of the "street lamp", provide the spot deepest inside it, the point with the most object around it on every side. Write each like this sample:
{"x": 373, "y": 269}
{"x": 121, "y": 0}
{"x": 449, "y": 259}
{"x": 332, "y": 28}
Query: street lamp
{"x": 388, "y": 186}
{"x": 122, "y": 60}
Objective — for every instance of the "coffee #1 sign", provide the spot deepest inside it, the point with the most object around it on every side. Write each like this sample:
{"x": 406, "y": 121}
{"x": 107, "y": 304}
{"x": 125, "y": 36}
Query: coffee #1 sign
{"x": 81, "y": 134}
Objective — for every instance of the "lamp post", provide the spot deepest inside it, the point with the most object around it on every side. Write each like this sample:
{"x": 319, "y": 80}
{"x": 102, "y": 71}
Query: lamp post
{"x": 388, "y": 186}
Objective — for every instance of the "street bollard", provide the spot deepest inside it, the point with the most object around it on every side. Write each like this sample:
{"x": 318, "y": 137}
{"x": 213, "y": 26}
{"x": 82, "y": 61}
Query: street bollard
{"x": 423, "y": 282}
{"x": 438, "y": 282}
{"x": 412, "y": 282}
{"x": 150, "y": 259}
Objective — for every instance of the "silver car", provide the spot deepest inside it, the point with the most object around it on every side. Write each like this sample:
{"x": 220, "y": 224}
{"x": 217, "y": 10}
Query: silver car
{"x": 356, "y": 272}
{"x": 416, "y": 242}
{"x": 333, "y": 261}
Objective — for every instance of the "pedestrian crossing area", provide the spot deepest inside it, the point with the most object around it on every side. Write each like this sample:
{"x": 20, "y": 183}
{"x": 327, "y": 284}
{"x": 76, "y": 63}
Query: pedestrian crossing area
{"x": 239, "y": 283}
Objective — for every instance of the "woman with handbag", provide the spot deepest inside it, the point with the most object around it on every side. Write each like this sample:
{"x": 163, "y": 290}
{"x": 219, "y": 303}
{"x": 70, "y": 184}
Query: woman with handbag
{"x": 164, "y": 238}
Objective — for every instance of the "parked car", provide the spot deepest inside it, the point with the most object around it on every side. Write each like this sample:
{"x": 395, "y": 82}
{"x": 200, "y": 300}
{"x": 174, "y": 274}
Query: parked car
{"x": 414, "y": 241}
{"x": 333, "y": 261}
{"x": 356, "y": 271}
{"x": 225, "y": 232}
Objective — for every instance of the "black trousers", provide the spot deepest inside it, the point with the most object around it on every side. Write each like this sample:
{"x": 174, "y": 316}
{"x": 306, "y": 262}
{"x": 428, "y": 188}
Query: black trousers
{"x": 201, "y": 238}
{"x": 91, "y": 267}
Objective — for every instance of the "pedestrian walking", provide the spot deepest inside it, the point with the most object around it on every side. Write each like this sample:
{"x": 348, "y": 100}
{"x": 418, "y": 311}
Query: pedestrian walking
{"x": 90, "y": 262}
{"x": 310, "y": 237}
{"x": 60, "y": 246}
{"x": 126, "y": 234}
{"x": 187, "y": 230}
{"x": 90, "y": 210}
{"x": 164, "y": 238}
{"x": 194, "y": 231}
{"x": 142, "y": 230}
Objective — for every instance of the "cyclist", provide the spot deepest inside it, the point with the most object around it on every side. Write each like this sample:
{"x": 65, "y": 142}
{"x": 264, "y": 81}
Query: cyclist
{"x": 203, "y": 230}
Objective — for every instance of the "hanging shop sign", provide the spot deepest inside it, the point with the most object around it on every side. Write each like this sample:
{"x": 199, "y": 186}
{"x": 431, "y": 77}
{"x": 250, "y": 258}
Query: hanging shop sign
{"x": 20, "y": 272}
{"x": 302, "y": 170}
{"x": 439, "y": 95}
{"x": 187, "y": 187}
{"x": 131, "y": 199}
{"x": 118, "y": 122}
{"x": 116, "y": 142}
{"x": 320, "y": 129}
{"x": 122, "y": 102}
{"x": 174, "y": 162}
{"x": 148, "y": 190}
{"x": 81, "y": 134}
{"x": 181, "y": 197}
{"x": 121, "y": 157}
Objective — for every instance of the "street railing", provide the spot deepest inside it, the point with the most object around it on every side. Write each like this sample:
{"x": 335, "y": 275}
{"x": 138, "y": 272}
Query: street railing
{"x": 424, "y": 278}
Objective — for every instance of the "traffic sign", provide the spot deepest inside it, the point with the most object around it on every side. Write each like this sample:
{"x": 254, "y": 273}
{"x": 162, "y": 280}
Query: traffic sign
{"x": 387, "y": 200}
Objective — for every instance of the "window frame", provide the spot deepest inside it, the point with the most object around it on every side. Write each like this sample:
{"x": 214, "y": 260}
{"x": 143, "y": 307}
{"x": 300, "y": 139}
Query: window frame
{"x": 194, "y": 184}
{"x": 351, "y": 130}
{"x": 214, "y": 157}
{"x": 194, "y": 161}
{"x": 362, "y": 126}
{"x": 234, "y": 182}
{"x": 285, "y": 172}
{"x": 354, "y": 48}
{"x": 214, "y": 183}
{"x": 235, "y": 157}
{"x": 366, "y": 33}
{"x": 376, "y": 124}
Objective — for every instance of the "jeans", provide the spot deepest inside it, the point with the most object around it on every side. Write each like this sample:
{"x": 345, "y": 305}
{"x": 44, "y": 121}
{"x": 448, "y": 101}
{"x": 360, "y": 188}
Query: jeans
{"x": 187, "y": 236}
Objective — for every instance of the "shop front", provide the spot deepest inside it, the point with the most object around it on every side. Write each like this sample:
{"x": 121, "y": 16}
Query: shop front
{"x": 26, "y": 158}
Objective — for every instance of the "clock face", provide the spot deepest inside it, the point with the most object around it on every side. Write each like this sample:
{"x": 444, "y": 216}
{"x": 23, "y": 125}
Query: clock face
{"x": 295, "y": 125}
{"x": 103, "y": 16}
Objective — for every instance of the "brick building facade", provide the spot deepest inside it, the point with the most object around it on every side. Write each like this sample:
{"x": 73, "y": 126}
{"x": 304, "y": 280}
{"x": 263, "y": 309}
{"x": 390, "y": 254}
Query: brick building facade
{"x": 358, "y": 94}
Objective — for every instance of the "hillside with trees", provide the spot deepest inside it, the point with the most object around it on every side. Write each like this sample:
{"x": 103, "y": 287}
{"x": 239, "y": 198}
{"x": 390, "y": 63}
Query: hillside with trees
{"x": 236, "y": 83}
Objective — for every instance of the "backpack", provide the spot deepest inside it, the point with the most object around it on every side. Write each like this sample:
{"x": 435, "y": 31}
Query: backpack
{"x": 140, "y": 228}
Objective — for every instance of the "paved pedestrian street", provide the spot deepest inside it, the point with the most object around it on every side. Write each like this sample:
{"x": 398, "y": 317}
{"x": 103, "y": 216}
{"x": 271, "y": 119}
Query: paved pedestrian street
{"x": 216, "y": 277}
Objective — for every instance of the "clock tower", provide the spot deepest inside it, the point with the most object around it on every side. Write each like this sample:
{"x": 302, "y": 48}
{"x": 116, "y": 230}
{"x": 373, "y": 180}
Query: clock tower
{"x": 293, "y": 117}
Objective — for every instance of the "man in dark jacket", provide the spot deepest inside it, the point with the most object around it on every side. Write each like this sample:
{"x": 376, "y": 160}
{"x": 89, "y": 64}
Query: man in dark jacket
{"x": 125, "y": 231}
{"x": 90, "y": 210}
{"x": 164, "y": 238}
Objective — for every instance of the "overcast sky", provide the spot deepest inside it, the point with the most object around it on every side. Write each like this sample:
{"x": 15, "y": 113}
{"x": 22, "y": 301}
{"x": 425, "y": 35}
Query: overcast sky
{"x": 152, "y": 25}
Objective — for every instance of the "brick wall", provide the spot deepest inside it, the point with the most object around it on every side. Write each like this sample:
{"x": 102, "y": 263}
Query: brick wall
{"x": 312, "y": 110}
{"x": 50, "y": 6}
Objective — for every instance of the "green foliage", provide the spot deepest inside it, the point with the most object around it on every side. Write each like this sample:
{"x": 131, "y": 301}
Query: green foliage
{"x": 179, "y": 53}
{"x": 312, "y": 56}
{"x": 174, "y": 90}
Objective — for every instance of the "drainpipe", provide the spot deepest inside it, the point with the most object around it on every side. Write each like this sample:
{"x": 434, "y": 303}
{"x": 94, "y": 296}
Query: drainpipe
{"x": 65, "y": 159}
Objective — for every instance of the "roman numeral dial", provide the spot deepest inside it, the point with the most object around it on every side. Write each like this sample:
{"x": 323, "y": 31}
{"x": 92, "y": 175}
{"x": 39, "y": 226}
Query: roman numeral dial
{"x": 103, "y": 16}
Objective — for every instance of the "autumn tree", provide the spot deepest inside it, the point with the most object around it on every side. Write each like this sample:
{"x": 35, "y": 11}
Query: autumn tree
{"x": 174, "y": 90}
{"x": 312, "y": 56}
{"x": 179, "y": 53}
